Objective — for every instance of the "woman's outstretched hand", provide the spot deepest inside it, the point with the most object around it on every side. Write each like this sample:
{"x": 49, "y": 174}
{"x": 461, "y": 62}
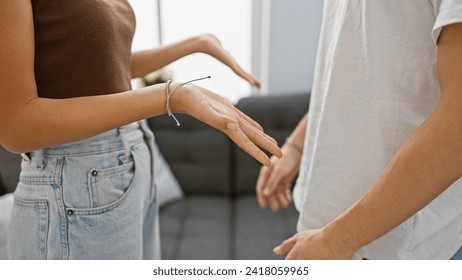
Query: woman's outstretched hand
{"x": 209, "y": 44}
{"x": 221, "y": 114}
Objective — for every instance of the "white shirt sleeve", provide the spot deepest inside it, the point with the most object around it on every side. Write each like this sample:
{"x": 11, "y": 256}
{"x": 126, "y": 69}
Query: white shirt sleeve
{"x": 446, "y": 12}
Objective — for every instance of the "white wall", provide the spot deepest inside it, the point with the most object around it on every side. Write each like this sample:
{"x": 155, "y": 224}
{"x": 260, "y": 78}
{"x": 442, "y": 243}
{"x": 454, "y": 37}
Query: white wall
{"x": 285, "y": 40}
{"x": 275, "y": 39}
{"x": 146, "y": 34}
{"x": 230, "y": 21}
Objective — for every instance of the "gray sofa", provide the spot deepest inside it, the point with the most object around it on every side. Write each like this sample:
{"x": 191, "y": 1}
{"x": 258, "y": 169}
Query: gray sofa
{"x": 218, "y": 218}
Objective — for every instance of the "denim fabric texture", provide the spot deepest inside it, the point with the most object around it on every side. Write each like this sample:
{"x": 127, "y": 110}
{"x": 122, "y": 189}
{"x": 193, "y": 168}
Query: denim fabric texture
{"x": 458, "y": 255}
{"x": 91, "y": 199}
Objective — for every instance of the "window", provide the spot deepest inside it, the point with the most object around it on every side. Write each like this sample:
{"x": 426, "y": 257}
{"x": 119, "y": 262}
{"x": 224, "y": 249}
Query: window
{"x": 228, "y": 20}
{"x": 147, "y": 28}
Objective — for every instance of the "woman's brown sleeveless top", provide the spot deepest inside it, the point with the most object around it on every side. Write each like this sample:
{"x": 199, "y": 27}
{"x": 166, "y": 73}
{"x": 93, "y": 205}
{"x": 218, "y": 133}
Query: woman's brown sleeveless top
{"x": 82, "y": 47}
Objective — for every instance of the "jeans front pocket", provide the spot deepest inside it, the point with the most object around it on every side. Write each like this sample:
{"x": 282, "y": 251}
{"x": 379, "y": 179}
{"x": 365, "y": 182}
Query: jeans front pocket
{"x": 27, "y": 237}
{"x": 107, "y": 185}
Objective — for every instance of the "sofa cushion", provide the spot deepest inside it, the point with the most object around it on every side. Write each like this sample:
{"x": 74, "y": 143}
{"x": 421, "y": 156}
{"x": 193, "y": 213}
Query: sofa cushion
{"x": 197, "y": 227}
{"x": 198, "y": 155}
{"x": 267, "y": 111}
{"x": 10, "y": 166}
{"x": 217, "y": 227}
{"x": 6, "y": 206}
{"x": 258, "y": 231}
{"x": 168, "y": 188}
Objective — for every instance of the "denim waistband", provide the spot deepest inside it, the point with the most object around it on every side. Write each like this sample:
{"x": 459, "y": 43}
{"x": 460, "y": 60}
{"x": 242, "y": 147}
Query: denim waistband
{"x": 112, "y": 140}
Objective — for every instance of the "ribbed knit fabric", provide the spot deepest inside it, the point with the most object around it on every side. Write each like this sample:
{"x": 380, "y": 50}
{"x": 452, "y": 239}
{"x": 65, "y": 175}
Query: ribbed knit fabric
{"x": 82, "y": 47}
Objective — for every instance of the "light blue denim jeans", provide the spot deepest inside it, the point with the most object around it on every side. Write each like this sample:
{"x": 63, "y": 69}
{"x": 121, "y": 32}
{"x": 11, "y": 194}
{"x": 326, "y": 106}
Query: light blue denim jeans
{"x": 458, "y": 255}
{"x": 91, "y": 199}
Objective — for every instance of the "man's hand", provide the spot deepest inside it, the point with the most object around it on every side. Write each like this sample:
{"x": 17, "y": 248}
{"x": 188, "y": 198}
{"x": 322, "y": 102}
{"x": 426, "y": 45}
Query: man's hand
{"x": 310, "y": 245}
{"x": 413, "y": 178}
{"x": 273, "y": 184}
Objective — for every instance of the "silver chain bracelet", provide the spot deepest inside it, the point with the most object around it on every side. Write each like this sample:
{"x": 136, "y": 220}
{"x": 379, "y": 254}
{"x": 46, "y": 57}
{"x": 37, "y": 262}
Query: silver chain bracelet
{"x": 169, "y": 93}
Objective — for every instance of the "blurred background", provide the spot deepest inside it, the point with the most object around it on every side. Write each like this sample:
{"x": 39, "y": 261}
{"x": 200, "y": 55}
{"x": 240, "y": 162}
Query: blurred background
{"x": 273, "y": 39}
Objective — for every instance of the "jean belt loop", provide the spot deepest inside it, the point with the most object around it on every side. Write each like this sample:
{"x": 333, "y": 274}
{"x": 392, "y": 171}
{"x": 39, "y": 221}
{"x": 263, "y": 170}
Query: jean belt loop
{"x": 39, "y": 159}
{"x": 145, "y": 128}
{"x": 25, "y": 157}
{"x": 123, "y": 136}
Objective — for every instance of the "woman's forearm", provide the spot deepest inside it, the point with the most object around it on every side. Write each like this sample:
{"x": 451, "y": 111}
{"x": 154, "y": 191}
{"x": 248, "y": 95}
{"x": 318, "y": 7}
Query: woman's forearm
{"x": 144, "y": 62}
{"x": 28, "y": 122}
{"x": 42, "y": 122}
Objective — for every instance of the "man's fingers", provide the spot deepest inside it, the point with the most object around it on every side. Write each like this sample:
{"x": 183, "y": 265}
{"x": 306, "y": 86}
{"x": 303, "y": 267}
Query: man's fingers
{"x": 283, "y": 199}
{"x": 275, "y": 190}
{"x": 273, "y": 203}
{"x": 288, "y": 194}
{"x": 286, "y": 246}
{"x": 273, "y": 182}
{"x": 261, "y": 181}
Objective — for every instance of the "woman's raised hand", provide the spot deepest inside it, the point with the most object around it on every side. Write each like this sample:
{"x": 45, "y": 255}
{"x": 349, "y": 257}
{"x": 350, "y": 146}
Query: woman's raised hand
{"x": 209, "y": 44}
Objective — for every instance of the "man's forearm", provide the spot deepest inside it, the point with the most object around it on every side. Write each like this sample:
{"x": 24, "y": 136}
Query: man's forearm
{"x": 297, "y": 137}
{"x": 425, "y": 166}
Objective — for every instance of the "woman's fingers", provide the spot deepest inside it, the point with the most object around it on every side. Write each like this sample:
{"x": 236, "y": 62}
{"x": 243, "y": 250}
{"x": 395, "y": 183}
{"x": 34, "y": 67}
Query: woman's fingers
{"x": 253, "y": 123}
{"x": 221, "y": 114}
{"x": 240, "y": 138}
{"x": 246, "y": 76}
{"x": 249, "y": 120}
{"x": 216, "y": 50}
{"x": 260, "y": 138}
